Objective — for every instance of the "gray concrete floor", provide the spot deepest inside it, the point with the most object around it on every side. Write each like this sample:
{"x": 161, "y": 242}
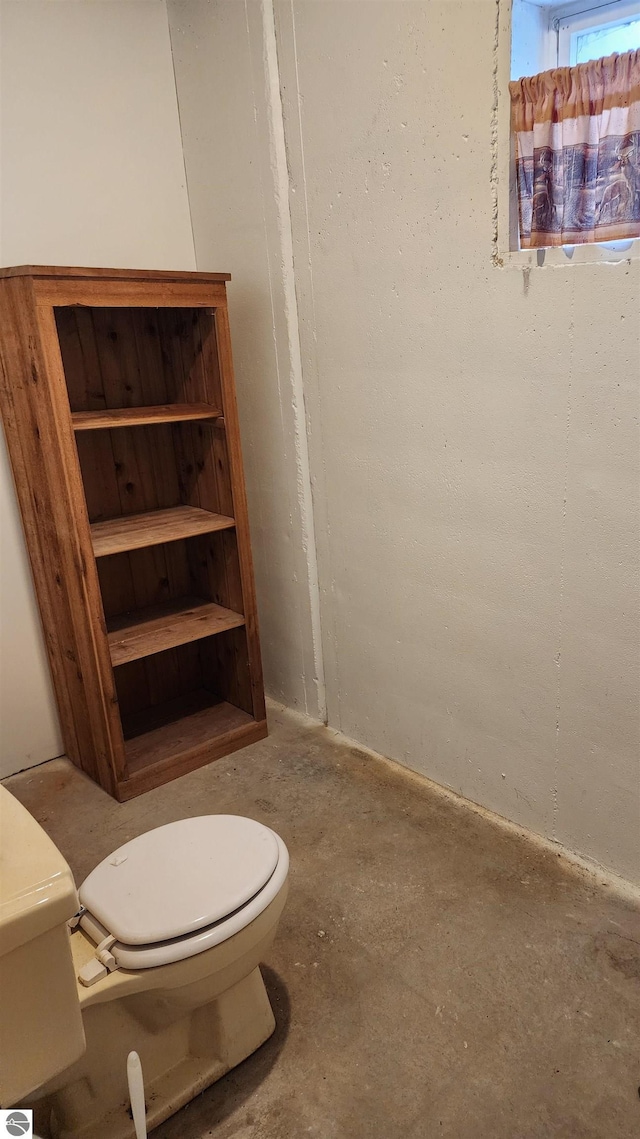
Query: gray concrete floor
{"x": 435, "y": 974}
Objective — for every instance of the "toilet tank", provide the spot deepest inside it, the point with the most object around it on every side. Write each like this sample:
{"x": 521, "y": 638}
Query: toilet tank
{"x": 41, "y": 1030}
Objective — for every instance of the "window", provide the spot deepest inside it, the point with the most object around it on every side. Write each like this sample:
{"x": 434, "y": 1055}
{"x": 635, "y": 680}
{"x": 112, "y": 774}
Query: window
{"x": 587, "y": 35}
{"x": 575, "y": 174}
{"x": 545, "y": 35}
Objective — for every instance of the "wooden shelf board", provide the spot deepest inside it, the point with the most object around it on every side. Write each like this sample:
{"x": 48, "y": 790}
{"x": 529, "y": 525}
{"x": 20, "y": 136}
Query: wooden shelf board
{"x": 159, "y": 627}
{"x": 134, "y": 531}
{"x": 141, "y": 416}
{"x": 156, "y": 773}
{"x": 179, "y": 728}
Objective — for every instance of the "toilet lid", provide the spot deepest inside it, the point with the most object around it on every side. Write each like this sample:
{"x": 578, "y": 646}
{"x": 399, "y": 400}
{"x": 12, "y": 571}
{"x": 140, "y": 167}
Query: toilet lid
{"x": 180, "y": 877}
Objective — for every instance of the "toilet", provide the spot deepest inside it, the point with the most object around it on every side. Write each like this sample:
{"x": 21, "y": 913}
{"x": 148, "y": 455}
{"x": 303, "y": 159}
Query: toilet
{"x": 157, "y": 952}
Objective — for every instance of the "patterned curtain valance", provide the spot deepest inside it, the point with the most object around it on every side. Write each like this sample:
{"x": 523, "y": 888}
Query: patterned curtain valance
{"x": 577, "y": 132}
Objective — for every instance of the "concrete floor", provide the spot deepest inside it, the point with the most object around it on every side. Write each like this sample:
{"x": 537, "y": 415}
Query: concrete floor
{"x": 435, "y": 973}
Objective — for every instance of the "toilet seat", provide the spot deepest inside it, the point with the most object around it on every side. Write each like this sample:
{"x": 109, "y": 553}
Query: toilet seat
{"x": 196, "y": 882}
{"x": 180, "y": 877}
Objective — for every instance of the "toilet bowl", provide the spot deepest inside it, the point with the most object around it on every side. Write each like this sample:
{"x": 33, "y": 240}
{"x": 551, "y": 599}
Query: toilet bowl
{"x": 163, "y": 958}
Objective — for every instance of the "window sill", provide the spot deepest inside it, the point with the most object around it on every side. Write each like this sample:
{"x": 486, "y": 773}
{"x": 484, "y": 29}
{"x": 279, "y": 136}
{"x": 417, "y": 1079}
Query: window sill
{"x": 562, "y": 258}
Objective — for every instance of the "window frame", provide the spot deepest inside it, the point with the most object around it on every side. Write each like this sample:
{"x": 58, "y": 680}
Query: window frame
{"x": 566, "y": 21}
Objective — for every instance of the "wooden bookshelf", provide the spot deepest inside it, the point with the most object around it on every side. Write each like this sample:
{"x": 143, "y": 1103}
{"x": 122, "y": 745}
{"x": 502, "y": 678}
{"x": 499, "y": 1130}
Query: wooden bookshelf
{"x": 118, "y": 399}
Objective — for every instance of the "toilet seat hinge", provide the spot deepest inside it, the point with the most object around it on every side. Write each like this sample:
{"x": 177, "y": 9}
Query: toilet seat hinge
{"x": 103, "y": 955}
{"x": 102, "y": 963}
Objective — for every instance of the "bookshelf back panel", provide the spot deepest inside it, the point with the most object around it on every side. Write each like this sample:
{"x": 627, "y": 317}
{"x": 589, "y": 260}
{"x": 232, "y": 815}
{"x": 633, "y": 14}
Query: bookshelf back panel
{"x": 155, "y": 680}
{"x": 217, "y": 666}
{"x": 206, "y": 567}
{"x": 137, "y": 357}
{"x": 130, "y": 470}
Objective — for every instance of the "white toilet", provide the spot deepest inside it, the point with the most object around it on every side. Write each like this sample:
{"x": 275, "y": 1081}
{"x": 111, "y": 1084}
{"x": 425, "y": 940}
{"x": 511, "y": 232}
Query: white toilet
{"x": 162, "y": 957}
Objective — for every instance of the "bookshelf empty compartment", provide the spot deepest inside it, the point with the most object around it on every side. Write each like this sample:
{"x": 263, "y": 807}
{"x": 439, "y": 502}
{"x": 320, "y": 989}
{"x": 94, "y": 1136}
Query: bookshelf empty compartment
{"x": 165, "y": 595}
{"x": 179, "y": 703}
{"x": 117, "y": 357}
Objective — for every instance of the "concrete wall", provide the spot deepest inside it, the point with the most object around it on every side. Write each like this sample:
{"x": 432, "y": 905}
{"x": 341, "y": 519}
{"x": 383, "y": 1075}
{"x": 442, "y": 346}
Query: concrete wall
{"x": 92, "y": 174}
{"x": 473, "y": 429}
{"x": 478, "y": 433}
{"x": 238, "y": 192}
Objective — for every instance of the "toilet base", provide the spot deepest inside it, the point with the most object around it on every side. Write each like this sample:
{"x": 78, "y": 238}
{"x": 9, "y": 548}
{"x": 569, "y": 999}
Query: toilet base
{"x": 179, "y": 1061}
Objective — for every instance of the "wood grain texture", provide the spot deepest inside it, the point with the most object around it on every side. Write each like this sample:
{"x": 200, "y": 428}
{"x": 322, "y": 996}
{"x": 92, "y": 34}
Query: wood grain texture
{"x": 151, "y": 685}
{"x": 144, "y": 632}
{"x": 149, "y": 575}
{"x": 143, "y": 293}
{"x": 131, "y": 470}
{"x": 61, "y": 271}
{"x": 124, "y": 358}
{"x": 199, "y": 755}
{"x": 117, "y": 393}
{"x": 167, "y": 752}
{"x": 156, "y": 526}
{"x": 40, "y": 438}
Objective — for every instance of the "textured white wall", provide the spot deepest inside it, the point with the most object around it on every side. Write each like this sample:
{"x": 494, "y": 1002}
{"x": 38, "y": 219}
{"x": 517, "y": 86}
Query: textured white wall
{"x": 92, "y": 174}
{"x": 473, "y": 429}
{"x": 474, "y": 435}
{"x": 226, "y": 75}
